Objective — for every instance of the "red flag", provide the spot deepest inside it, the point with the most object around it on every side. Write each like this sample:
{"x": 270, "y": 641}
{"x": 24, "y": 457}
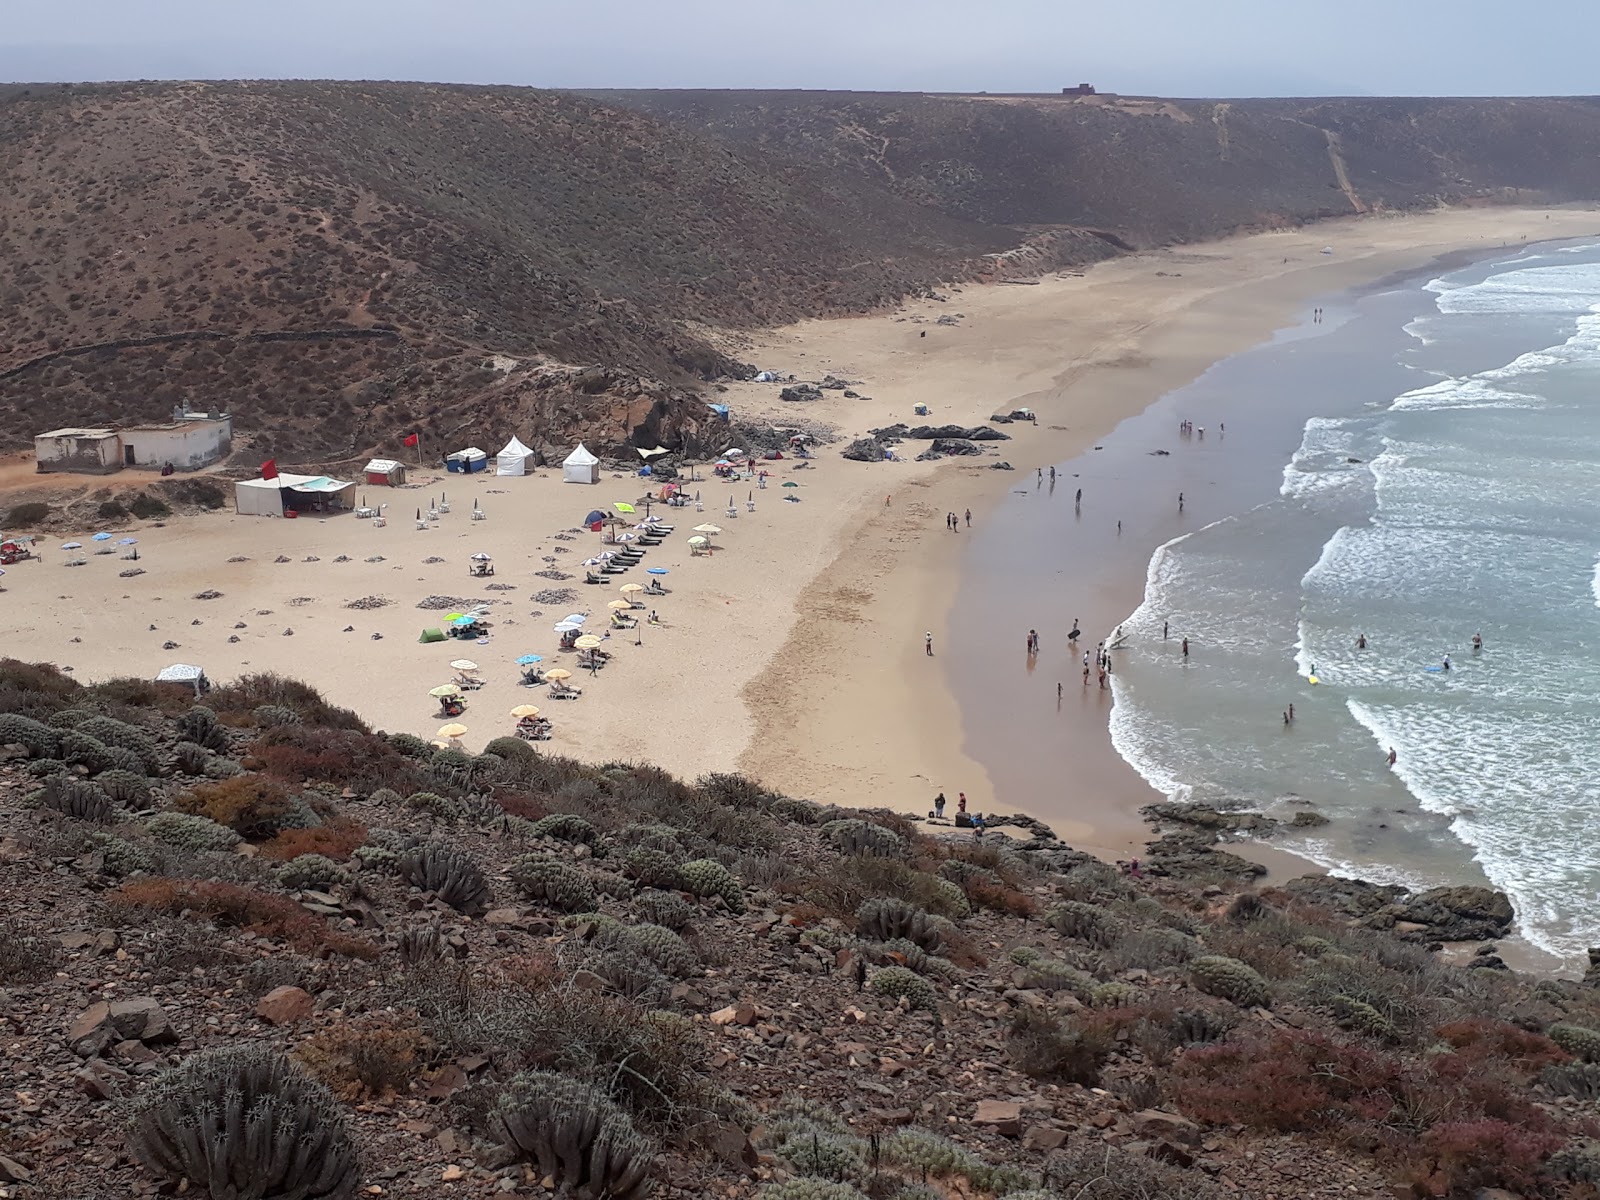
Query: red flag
{"x": 269, "y": 469}
{"x": 411, "y": 439}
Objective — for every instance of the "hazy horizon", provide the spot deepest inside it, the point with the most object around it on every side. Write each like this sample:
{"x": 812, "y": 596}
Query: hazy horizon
{"x": 1426, "y": 48}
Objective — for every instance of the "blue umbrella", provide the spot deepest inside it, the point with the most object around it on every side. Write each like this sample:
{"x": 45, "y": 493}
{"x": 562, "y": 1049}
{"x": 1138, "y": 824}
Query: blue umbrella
{"x": 126, "y": 541}
{"x": 595, "y": 515}
{"x": 656, "y": 571}
{"x": 527, "y": 660}
{"x": 101, "y": 537}
{"x": 72, "y": 545}
{"x": 464, "y": 620}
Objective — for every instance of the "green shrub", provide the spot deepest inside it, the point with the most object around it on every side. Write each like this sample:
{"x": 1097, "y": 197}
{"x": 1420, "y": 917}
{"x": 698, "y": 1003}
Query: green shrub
{"x": 188, "y": 832}
{"x": 856, "y": 837}
{"x": 552, "y": 882}
{"x": 575, "y": 1133}
{"x": 148, "y": 508}
{"x": 565, "y": 827}
{"x": 897, "y": 982}
{"x": 512, "y": 749}
{"x": 707, "y": 877}
{"x": 1577, "y": 1040}
{"x": 1230, "y": 979}
{"x": 315, "y": 871}
{"x": 41, "y": 740}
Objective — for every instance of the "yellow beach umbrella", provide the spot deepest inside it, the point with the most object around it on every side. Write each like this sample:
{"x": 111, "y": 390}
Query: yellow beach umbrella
{"x": 445, "y": 691}
{"x": 631, "y": 589}
{"x": 454, "y": 616}
{"x": 452, "y": 731}
{"x": 618, "y": 605}
{"x": 524, "y": 710}
{"x": 587, "y": 642}
{"x": 558, "y": 674}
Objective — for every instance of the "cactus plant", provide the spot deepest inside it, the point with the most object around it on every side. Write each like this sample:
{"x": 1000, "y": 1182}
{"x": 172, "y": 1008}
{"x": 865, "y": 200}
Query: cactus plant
{"x": 512, "y": 749}
{"x": 897, "y": 982}
{"x": 651, "y": 867}
{"x": 40, "y": 740}
{"x": 885, "y": 918}
{"x": 377, "y": 858}
{"x": 661, "y": 946}
{"x": 271, "y": 716}
{"x": 1230, "y": 979}
{"x": 1578, "y": 1079}
{"x": 199, "y": 725}
{"x": 1577, "y": 1040}
{"x": 663, "y": 908}
{"x": 1114, "y": 995}
{"x": 566, "y": 827}
{"x": 1053, "y": 975}
{"x": 1361, "y": 1017}
{"x": 810, "y": 1189}
{"x": 855, "y": 836}
{"x": 313, "y": 871}
{"x": 244, "y": 1121}
{"x": 191, "y": 758}
{"x": 1025, "y": 956}
{"x": 410, "y": 745}
{"x": 68, "y": 718}
{"x": 434, "y": 804}
{"x": 448, "y": 873}
{"x": 76, "y": 798}
{"x": 578, "y": 1137}
{"x": 90, "y": 753}
{"x": 1084, "y": 921}
{"x": 421, "y": 944}
{"x": 1578, "y": 1162}
{"x": 191, "y": 832}
{"x": 708, "y": 877}
{"x": 110, "y": 732}
{"x": 552, "y": 882}
{"x": 43, "y": 768}
{"x": 124, "y": 787}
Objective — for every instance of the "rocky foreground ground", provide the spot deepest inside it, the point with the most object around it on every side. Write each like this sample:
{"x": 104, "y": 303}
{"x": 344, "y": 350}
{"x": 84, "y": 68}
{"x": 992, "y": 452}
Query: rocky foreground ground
{"x": 255, "y": 942}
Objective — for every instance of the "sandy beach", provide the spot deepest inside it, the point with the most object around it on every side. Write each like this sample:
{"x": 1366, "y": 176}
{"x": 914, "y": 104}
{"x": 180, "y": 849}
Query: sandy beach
{"x": 795, "y": 651}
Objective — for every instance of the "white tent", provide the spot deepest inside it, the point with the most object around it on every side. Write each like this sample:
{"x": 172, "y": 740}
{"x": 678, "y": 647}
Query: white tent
{"x": 513, "y": 460}
{"x": 581, "y": 467}
{"x": 266, "y": 497}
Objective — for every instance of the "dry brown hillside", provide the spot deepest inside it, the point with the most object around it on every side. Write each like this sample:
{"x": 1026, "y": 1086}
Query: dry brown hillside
{"x": 338, "y": 263}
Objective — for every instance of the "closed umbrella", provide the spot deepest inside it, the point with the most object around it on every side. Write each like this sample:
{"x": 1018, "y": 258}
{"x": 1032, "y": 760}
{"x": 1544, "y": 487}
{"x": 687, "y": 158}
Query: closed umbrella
{"x": 452, "y": 731}
{"x": 464, "y": 664}
{"x": 445, "y": 691}
{"x": 524, "y": 710}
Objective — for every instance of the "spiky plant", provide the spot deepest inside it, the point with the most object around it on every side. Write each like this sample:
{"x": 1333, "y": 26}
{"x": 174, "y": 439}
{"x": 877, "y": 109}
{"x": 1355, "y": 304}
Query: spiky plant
{"x": 448, "y": 873}
{"x": 578, "y": 1137}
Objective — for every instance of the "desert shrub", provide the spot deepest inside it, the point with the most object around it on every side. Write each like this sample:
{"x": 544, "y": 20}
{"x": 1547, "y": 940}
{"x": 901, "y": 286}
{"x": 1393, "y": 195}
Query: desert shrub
{"x": 856, "y": 837}
{"x": 1466, "y": 1156}
{"x": 148, "y": 508}
{"x": 449, "y": 873}
{"x": 111, "y": 510}
{"x": 576, "y": 1134}
{"x": 885, "y": 918}
{"x": 1053, "y": 975}
{"x": 552, "y": 882}
{"x": 1229, "y": 979}
{"x": 25, "y": 957}
{"x": 244, "y": 695}
{"x": 806, "y": 1188}
{"x": 631, "y": 976}
{"x": 1047, "y": 1045}
{"x": 411, "y": 746}
{"x": 1579, "y": 1080}
{"x": 435, "y": 805}
{"x": 850, "y": 882}
{"x": 200, "y": 726}
{"x": 76, "y": 798}
{"x": 43, "y": 768}
{"x": 369, "y": 1057}
{"x": 1093, "y": 1171}
{"x": 274, "y": 716}
{"x": 244, "y": 1113}
{"x": 1082, "y": 921}
{"x": 651, "y": 867}
{"x": 1579, "y": 1041}
{"x": 253, "y": 806}
{"x": 313, "y": 871}
{"x": 191, "y": 758}
{"x": 1577, "y": 1163}
{"x": 41, "y": 740}
{"x": 421, "y": 944}
{"x": 1150, "y": 950}
{"x": 26, "y": 516}
{"x": 902, "y": 982}
{"x": 124, "y": 787}
{"x": 244, "y": 907}
{"x": 121, "y": 858}
{"x": 565, "y": 827}
{"x": 658, "y": 945}
{"x": 1485, "y": 1038}
{"x": 707, "y": 877}
{"x": 936, "y": 1157}
{"x": 90, "y": 753}
{"x": 188, "y": 832}
{"x": 110, "y": 732}
{"x": 338, "y": 840}
{"x": 663, "y": 908}
{"x": 512, "y": 749}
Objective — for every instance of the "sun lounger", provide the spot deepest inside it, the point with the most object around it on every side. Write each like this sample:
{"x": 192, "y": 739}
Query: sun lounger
{"x": 591, "y": 577}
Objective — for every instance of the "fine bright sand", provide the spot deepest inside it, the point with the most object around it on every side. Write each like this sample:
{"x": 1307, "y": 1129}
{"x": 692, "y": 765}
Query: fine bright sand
{"x": 795, "y": 651}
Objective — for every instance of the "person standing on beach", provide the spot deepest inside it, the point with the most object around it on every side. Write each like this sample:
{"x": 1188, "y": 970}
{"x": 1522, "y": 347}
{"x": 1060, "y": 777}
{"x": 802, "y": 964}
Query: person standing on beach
{"x": 969, "y": 518}
{"x": 1058, "y": 691}
{"x": 927, "y": 641}
{"x": 1447, "y": 664}
{"x": 1072, "y": 636}
{"x": 1085, "y": 670}
{"x": 938, "y": 806}
{"x": 1039, "y": 471}
{"x": 961, "y": 804}
{"x": 1392, "y": 756}
{"x": 1163, "y": 631}
{"x": 1078, "y": 499}
{"x": 1119, "y": 528}
{"x": 1052, "y": 474}
{"x": 1185, "y": 648}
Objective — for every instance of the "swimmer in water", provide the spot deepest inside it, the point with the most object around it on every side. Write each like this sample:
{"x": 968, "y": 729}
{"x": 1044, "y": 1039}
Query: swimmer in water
{"x": 1447, "y": 662}
{"x": 1361, "y": 642}
{"x": 1477, "y": 643}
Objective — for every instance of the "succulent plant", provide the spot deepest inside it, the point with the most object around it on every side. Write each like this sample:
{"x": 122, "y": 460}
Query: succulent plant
{"x": 1578, "y": 1079}
{"x": 800, "y": 812}
{"x": 885, "y": 918}
{"x": 855, "y": 836}
{"x": 1361, "y": 1017}
{"x": 43, "y": 768}
{"x": 663, "y": 908}
{"x": 631, "y": 975}
{"x": 895, "y": 982}
{"x": 431, "y": 802}
{"x": 1230, "y": 979}
{"x": 77, "y": 798}
{"x": 410, "y": 745}
{"x": 68, "y": 718}
{"x": 566, "y": 827}
{"x": 1577, "y": 1040}
{"x": 1578, "y": 1162}
{"x": 1025, "y": 956}
{"x": 826, "y": 1156}
{"x": 421, "y": 944}
{"x": 377, "y": 858}
{"x": 41, "y": 740}
{"x": 199, "y": 725}
{"x": 271, "y": 716}
{"x": 244, "y": 1121}
{"x": 313, "y": 871}
{"x": 1053, "y": 975}
{"x": 90, "y": 753}
{"x": 575, "y": 1134}
{"x": 1199, "y": 1026}
{"x": 1084, "y": 921}
{"x": 512, "y": 749}
{"x": 191, "y": 758}
{"x": 552, "y": 882}
{"x": 708, "y": 877}
{"x": 218, "y": 767}
{"x": 651, "y": 867}
{"x": 810, "y": 1189}
{"x": 448, "y": 873}
{"x": 661, "y": 946}
{"x": 110, "y": 732}
{"x": 191, "y": 832}
{"x": 1114, "y": 995}
{"x": 121, "y": 857}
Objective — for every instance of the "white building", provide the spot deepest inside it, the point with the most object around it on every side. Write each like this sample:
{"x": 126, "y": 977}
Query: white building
{"x": 189, "y": 442}
{"x": 84, "y": 451}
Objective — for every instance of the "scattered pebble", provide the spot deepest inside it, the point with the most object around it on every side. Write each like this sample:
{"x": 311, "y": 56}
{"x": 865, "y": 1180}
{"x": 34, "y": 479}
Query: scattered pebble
{"x": 349, "y": 629}
{"x": 288, "y": 633}
{"x": 342, "y": 558}
{"x": 367, "y": 603}
{"x": 208, "y": 594}
{"x": 239, "y": 558}
{"x": 554, "y": 596}
{"x": 565, "y": 537}
{"x": 433, "y": 558}
{"x": 169, "y": 645}
{"x": 298, "y": 601}
{"x": 233, "y": 637}
{"x": 311, "y": 558}
{"x": 196, "y": 621}
{"x": 130, "y": 572}
{"x": 376, "y": 558}
{"x": 281, "y": 558}
{"x": 240, "y": 625}
{"x": 552, "y": 575}
{"x": 499, "y": 587}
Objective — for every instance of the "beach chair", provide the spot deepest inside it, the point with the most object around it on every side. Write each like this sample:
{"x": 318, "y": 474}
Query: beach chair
{"x": 467, "y": 683}
{"x": 532, "y": 677}
{"x": 479, "y": 515}
{"x": 591, "y": 577}
{"x": 564, "y": 691}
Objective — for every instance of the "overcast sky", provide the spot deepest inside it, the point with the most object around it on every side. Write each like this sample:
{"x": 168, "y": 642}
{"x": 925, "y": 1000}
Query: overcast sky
{"x": 1169, "y": 47}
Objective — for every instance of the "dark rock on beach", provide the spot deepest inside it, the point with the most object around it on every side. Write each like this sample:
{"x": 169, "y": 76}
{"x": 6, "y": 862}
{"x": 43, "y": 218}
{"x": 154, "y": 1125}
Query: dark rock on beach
{"x": 864, "y": 450}
{"x": 977, "y": 433}
{"x": 954, "y": 446}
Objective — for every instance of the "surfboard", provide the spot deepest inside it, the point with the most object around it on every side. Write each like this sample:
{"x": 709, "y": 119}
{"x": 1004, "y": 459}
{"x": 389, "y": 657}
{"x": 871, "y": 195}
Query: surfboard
{"x": 1434, "y": 670}
{"x": 1312, "y": 679}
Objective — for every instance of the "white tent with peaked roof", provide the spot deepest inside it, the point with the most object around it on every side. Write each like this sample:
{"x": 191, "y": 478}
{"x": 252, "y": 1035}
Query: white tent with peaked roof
{"x": 581, "y": 467}
{"x": 513, "y": 460}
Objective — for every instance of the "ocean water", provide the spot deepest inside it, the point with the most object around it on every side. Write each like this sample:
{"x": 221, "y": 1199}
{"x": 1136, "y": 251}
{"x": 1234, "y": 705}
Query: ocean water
{"x": 1446, "y": 483}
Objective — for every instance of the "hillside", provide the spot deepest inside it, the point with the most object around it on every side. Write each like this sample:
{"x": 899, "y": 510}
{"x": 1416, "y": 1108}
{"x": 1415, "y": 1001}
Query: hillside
{"x": 339, "y": 263}
{"x": 256, "y": 939}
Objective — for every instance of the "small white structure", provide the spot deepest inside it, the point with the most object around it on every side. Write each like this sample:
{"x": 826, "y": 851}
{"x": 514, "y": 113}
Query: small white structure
{"x": 88, "y": 451}
{"x": 183, "y": 673}
{"x": 514, "y": 459}
{"x": 581, "y": 467}
{"x": 287, "y": 493}
{"x": 384, "y": 472}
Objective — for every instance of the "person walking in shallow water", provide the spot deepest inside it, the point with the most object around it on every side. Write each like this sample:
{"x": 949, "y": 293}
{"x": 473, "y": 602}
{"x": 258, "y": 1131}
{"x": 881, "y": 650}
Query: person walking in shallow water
{"x": 969, "y": 518}
{"x": 1185, "y": 648}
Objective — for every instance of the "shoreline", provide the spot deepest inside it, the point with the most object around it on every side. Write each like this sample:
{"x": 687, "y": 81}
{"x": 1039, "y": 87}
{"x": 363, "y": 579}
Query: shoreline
{"x": 1119, "y": 367}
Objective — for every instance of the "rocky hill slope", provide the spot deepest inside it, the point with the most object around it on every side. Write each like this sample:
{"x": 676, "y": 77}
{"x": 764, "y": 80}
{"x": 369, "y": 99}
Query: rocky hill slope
{"x": 342, "y": 263}
{"x": 255, "y": 940}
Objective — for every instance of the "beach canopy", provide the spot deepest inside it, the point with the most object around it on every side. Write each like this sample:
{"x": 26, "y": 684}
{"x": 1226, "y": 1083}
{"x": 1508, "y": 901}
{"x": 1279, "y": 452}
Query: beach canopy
{"x": 581, "y": 467}
{"x": 653, "y": 452}
{"x": 445, "y": 691}
{"x": 558, "y": 674}
{"x": 465, "y": 621}
{"x": 594, "y": 515}
{"x": 699, "y": 541}
{"x": 524, "y": 710}
{"x": 513, "y": 460}
{"x": 480, "y": 556}
{"x": 179, "y": 673}
{"x": 587, "y": 642}
{"x": 452, "y": 731}
{"x": 527, "y": 660}
{"x": 101, "y": 537}
{"x": 432, "y": 635}
{"x": 463, "y": 664}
